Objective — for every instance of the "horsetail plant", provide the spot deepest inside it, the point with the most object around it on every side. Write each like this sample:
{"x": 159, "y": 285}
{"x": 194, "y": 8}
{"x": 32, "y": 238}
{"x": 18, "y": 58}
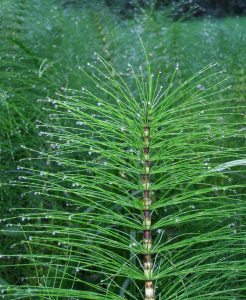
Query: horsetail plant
{"x": 143, "y": 193}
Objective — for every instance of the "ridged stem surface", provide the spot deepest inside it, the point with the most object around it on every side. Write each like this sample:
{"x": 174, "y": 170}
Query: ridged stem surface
{"x": 147, "y": 239}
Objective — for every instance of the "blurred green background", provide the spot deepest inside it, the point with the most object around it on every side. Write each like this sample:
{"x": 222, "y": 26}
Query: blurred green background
{"x": 45, "y": 45}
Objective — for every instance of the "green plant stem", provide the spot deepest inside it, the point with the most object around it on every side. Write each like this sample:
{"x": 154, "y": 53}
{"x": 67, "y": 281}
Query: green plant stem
{"x": 147, "y": 239}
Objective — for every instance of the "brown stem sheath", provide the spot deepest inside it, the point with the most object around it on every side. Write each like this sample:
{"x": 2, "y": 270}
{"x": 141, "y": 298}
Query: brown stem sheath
{"x": 147, "y": 239}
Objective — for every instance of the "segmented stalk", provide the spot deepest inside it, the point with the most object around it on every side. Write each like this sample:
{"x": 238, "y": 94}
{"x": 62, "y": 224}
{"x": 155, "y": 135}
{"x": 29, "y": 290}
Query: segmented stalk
{"x": 147, "y": 239}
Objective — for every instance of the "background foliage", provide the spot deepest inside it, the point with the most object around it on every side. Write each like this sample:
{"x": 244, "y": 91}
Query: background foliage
{"x": 44, "y": 45}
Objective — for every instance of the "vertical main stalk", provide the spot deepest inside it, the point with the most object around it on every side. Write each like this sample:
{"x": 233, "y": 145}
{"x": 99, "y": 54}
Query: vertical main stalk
{"x": 147, "y": 240}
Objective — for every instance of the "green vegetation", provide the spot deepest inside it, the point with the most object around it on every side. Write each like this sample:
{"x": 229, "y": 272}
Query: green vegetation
{"x": 73, "y": 166}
